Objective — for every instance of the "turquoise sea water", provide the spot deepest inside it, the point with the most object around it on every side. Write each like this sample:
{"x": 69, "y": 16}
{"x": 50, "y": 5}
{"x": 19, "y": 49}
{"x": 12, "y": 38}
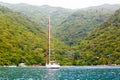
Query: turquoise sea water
{"x": 64, "y": 73}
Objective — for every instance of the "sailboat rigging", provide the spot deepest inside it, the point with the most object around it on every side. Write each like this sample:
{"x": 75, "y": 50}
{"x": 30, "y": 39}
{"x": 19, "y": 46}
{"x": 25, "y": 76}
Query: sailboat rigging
{"x": 50, "y": 64}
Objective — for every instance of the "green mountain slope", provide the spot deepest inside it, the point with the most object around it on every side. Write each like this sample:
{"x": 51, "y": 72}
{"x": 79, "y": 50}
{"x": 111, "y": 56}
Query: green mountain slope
{"x": 69, "y": 26}
{"x": 103, "y": 44}
{"x": 40, "y": 13}
{"x": 20, "y": 39}
{"x": 77, "y": 26}
{"x": 24, "y": 39}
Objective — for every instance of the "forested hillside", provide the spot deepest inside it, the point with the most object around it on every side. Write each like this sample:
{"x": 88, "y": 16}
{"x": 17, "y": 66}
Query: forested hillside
{"x": 69, "y": 26}
{"x": 23, "y": 40}
{"x": 20, "y": 39}
{"x": 78, "y": 25}
{"x": 91, "y": 35}
{"x": 40, "y": 13}
{"x": 102, "y": 46}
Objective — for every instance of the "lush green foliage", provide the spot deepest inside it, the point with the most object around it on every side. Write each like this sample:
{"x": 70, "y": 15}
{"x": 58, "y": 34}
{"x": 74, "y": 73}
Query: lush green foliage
{"x": 78, "y": 25}
{"x": 20, "y": 39}
{"x": 40, "y": 13}
{"x": 24, "y": 39}
{"x": 102, "y": 46}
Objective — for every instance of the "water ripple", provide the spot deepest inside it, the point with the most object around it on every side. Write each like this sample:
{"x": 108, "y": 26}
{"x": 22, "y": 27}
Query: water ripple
{"x": 64, "y": 73}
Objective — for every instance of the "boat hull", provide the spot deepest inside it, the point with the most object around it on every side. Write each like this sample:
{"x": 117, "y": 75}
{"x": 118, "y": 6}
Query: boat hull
{"x": 52, "y": 66}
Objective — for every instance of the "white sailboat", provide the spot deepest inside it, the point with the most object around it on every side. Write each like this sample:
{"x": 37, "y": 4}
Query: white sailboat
{"x": 50, "y": 64}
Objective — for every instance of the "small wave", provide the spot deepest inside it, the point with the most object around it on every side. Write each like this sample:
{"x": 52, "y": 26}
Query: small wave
{"x": 27, "y": 79}
{"x": 4, "y": 78}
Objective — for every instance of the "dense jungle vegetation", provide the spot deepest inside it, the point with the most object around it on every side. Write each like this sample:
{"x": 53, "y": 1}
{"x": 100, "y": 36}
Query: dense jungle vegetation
{"x": 87, "y": 36}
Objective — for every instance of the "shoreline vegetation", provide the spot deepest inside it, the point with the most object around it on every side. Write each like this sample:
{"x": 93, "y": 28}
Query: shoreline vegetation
{"x": 62, "y": 66}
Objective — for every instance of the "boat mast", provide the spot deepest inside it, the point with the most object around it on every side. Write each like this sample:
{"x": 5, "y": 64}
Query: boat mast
{"x": 48, "y": 43}
{"x": 49, "y": 36}
{"x": 47, "y": 52}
